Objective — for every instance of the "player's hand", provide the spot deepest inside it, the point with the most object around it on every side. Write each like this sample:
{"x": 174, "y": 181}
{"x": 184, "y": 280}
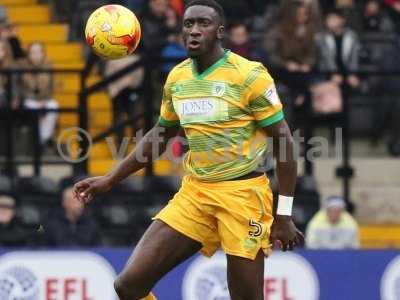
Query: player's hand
{"x": 86, "y": 189}
{"x": 286, "y": 233}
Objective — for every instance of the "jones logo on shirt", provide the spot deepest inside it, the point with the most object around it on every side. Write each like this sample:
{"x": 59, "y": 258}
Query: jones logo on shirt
{"x": 197, "y": 107}
{"x": 46, "y": 275}
{"x": 201, "y": 110}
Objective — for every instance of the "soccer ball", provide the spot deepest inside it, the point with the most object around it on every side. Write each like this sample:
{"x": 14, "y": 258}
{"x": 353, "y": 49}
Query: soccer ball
{"x": 113, "y": 31}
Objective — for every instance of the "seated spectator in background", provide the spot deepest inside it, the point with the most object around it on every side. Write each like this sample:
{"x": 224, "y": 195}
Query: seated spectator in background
{"x": 174, "y": 51}
{"x": 290, "y": 46}
{"x": 351, "y": 9}
{"x": 72, "y": 225}
{"x": 123, "y": 92}
{"x": 177, "y": 6}
{"x": 11, "y": 233}
{"x": 8, "y": 32}
{"x": 332, "y": 227}
{"x": 238, "y": 10}
{"x": 375, "y": 19}
{"x": 37, "y": 90}
{"x": 156, "y": 23}
{"x": 394, "y": 9}
{"x": 6, "y": 61}
{"x": 338, "y": 49}
{"x": 3, "y": 14}
{"x": 239, "y": 40}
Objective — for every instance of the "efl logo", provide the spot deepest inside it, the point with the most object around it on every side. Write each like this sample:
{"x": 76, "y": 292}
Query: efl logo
{"x": 18, "y": 283}
{"x": 288, "y": 276}
{"x": 390, "y": 283}
{"x": 74, "y": 275}
{"x": 205, "y": 279}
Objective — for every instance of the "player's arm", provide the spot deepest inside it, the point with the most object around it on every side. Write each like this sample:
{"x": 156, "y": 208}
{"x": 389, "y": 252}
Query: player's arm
{"x": 283, "y": 228}
{"x": 149, "y": 148}
{"x": 286, "y": 163}
{"x": 266, "y": 107}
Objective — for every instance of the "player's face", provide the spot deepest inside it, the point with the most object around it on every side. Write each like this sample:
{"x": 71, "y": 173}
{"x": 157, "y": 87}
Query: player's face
{"x": 201, "y": 30}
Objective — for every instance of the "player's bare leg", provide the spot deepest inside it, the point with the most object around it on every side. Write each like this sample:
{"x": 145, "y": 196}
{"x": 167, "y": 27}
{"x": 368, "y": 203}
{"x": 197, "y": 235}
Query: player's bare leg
{"x": 160, "y": 249}
{"x": 246, "y": 277}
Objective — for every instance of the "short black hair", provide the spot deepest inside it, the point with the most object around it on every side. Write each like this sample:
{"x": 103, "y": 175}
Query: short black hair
{"x": 210, "y": 3}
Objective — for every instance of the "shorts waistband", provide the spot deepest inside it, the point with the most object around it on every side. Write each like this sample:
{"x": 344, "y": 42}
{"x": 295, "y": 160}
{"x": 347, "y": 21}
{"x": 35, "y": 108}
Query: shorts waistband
{"x": 228, "y": 184}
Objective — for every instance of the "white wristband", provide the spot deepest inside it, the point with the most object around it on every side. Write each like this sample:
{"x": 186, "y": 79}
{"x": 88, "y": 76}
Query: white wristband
{"x": 285, "y": 204}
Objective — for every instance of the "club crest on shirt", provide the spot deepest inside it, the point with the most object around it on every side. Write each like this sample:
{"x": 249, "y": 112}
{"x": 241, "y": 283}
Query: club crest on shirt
{"x": 218, "y": 89}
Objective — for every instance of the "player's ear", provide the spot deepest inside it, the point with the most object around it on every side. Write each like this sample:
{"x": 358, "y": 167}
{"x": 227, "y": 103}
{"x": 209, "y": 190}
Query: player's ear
{"x": 221, "y": 32}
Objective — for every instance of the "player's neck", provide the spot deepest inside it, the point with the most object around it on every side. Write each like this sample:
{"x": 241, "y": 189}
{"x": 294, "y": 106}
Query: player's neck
{"x": 206, "y": 61}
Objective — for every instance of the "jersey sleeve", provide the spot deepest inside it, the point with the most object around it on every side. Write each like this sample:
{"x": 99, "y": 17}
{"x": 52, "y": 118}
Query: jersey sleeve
{"x": 263, "y": 99}
{"x": 168, "y": 117}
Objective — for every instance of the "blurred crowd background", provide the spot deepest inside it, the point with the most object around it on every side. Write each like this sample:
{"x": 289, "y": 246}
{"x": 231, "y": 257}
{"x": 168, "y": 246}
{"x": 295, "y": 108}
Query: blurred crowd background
{"x": 331, "y": 60}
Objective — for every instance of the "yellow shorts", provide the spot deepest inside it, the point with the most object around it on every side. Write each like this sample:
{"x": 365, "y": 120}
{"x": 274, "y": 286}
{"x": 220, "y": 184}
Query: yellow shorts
{"x": 235, "y": 215}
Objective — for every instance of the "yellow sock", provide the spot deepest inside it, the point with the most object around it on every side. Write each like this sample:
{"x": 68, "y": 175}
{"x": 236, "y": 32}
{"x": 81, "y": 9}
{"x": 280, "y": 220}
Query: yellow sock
{"x": 150, "y": 297}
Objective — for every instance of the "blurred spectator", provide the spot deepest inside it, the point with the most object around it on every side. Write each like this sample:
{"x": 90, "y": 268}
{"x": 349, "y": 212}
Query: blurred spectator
{"x": 133, "y": 5}
{"x": 174, "y": 50}
{"x": 394, "y": 128}
{"x": 123, "y": 92}
{"x": 177, "y": 6}
{"x": 394, "y": 6}
{"x": 72, "y": 225}
{"x": 6, "y": 61}
{"x": 239, "y": 40}
{"x": 61, "y": 10}
{"x": 332, "y": 227}
{"x": 156, "y": 23}
{"x": 291, "y": 43}
{"x": 352, "y": 11}
{"x": 37, "y": 90}
{"x": 338, "y": 49}
{"x": 11, "y": 233}
{"x": 3, "y": 14}
{"x": 8, "y": 32}
{"x": 375, "y": 19}
{"x": 238, "y": 10}
{"x": 315, "y": 11}
{"x": 290, "y": 46}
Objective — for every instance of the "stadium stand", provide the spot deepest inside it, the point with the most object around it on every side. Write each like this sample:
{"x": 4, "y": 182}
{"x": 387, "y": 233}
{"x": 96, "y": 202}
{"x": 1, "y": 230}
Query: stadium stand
{"x": 125, "y": 212}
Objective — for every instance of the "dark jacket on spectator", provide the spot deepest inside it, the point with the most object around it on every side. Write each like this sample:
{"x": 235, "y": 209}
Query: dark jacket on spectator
{"x": 155, "y": 32}
{"x": 12, "y": 234}
{"x": 327, "y": 48}
{"x": 59, "y": 231}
